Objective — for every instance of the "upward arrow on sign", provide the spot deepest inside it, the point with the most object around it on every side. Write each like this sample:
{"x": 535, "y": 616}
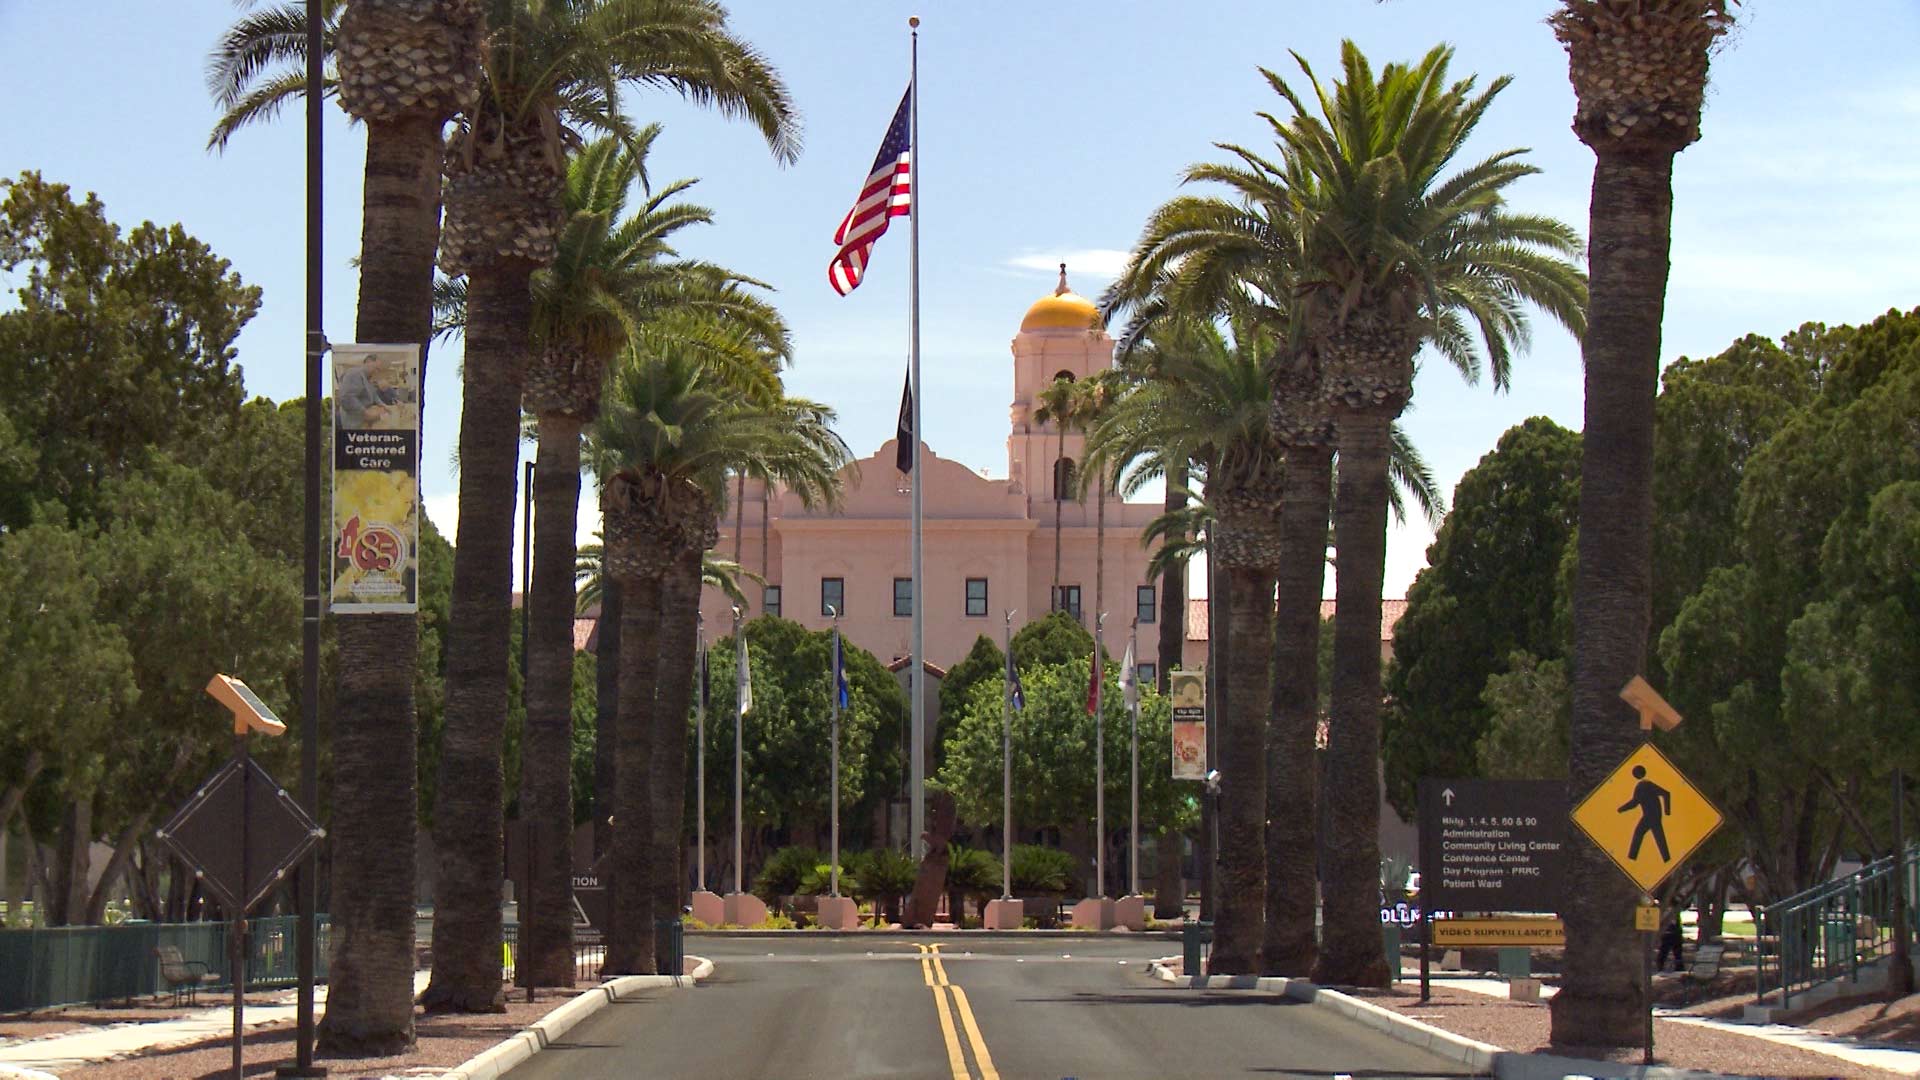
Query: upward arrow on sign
{"x": 1653, "y": 708}
{"x": 1447, "y": 796}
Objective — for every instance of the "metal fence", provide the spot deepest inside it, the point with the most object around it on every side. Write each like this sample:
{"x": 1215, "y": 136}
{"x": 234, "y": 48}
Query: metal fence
{"x": 73, "y": 965}
{"x": 1828, "y": 932}
{"x": 590, "y": 955}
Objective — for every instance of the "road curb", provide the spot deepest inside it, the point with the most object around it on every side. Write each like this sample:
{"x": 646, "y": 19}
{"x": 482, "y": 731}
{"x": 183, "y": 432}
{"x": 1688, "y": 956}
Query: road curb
{"x": 953, "y": 935}
{"x": 1483, "y": 1058}
{"x": 544, "y": 1032}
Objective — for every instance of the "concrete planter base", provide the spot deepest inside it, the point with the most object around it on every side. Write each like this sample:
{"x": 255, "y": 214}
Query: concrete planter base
{"x": 837, "y": 913}
{"x": 1130, "y": 912}
{"x": 1093, "y": 913}
{"x": 743, "y": 909}
{"x": 1004, "y": 915}
{"x": 709, "y": 908}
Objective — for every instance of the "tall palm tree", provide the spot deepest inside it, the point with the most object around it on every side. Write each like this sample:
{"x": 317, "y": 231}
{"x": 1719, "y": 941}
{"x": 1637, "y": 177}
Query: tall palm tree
{"x": 1059, "y": 405}
{"x": 613, "y": 275}
{"x": 1210, "y": 408}
{"x": 550, "y": 67}
{"x": 672, "y": 428}
{"x": 1639, "y": 73}
{"x": 403, "y": 68}
{"x": 1392, "y": 254}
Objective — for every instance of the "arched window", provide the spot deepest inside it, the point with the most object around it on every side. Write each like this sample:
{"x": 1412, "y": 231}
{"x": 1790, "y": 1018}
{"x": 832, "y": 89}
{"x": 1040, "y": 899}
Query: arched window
{"x": 1062, "y": 477}
{"x": 1063, "y": 375}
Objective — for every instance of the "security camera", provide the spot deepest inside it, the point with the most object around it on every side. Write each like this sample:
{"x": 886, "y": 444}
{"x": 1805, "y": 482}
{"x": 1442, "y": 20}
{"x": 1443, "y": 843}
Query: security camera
{"x": 1213, "y": 781}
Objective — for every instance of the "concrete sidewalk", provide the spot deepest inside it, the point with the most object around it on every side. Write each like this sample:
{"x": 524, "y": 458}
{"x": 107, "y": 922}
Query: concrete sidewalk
{"x": 1893, "y": 1059}
{"x": 40, "y": 1057}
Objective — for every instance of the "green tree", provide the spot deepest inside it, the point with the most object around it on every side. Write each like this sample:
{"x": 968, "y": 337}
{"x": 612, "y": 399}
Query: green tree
{"x": 1639, "y": 72}
{"x": 118, "y": 347}
{"x": 1056, "y": 639}
{"x": 1395, "y": 253}
{"x": 402, "y": 69}
{"x": 1490, "y": 590}
{"x": 983, "y": 663}
{"x": 548, "y": 71}
{"x": 1527, "y": 706}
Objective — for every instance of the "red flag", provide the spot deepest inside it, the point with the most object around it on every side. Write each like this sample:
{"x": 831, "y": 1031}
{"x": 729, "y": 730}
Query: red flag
{"x": 1093, "y": 680}
{"x": 887, "y": 194}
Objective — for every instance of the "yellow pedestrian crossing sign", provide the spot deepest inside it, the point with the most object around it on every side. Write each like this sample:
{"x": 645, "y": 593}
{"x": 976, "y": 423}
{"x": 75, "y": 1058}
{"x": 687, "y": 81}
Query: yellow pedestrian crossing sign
{"x": 1647, "y": 817}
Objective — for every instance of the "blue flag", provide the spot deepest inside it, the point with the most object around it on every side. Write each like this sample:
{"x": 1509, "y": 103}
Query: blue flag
{"x": 839, "y": 672}
{"x": 1014, "y": 691}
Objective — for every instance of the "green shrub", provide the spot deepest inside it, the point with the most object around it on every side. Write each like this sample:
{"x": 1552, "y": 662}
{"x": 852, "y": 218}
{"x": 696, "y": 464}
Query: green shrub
{"x": 1040, "y": 871}
{"x": 819, "y": 880}
{"x": 883, "y": 876}
{"x": 783, "y": 872}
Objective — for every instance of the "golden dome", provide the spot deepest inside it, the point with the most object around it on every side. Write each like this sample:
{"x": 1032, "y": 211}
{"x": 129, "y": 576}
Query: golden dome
{"x": 1064, "y": 310}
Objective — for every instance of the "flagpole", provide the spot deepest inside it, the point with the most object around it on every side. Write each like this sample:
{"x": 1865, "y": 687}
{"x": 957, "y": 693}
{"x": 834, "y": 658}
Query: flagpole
{"x": 1133, "y": 718}
{"x": 700, "y": 760}
{"x": 833, "y": 692}
{"x": 917, "y": 813}
{"x": 1006, "y": 771}
{"x": 739, "y": 687}
{"x": 1099, "y": 765}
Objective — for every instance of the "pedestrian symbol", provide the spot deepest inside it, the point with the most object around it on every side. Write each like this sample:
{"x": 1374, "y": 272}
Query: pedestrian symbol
{"x": 1647, "y": 817}
{"x": 1654, "y": 803}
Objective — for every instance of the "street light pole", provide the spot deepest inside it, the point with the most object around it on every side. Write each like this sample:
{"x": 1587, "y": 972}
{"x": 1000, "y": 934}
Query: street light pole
{"x": 833, "y": 694}
{"x": 1133, "y": 720}
{"x": 700, "y": 759}
{"x": 1099, "y": 765}
{"x": 1006, "y": 770}
{"x": 739, "y": 765}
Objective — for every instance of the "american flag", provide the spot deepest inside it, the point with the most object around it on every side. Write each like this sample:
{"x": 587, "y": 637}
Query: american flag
{"x": 888, "y": 193}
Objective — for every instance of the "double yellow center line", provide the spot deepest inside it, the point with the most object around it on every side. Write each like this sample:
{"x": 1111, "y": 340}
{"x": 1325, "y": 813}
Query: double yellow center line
{"x": 935, "y": 975}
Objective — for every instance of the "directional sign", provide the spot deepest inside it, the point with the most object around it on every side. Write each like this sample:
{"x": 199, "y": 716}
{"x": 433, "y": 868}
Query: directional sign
{"x": 1647, "y": 817}
{"x": 1491, "y": 845}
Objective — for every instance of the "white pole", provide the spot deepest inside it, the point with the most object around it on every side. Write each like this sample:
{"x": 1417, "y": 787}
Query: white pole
{"x": 739, "y": 768}
{"x": 833, "y": 693}
{"x": 1006, "y": 771}
{"x": 1133, "y": 719}
{"x": 700, "y": 761}
{"x": 1099, "y": 765}
{"x": 917, "y": 814}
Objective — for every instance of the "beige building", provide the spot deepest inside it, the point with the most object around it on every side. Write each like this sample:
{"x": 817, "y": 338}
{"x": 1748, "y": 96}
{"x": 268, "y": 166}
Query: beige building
{"x": 988, "y": 542}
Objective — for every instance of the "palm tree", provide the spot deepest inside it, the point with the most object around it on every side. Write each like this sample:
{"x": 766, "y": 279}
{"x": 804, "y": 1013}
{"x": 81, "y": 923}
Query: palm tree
{"x": 403, "y": 69}
{"x": 1639, "y": 73}
{"x": 1059, "y": 405}
{"x": 549, "y": 67}
{"x": 671, "y": 429}
{"x": 1392, "y": 254}
{"x": 613, "y": 275}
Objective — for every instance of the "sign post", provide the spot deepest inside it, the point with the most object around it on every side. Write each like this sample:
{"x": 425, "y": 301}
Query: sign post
{"x": 241, "y": 833}
{"x": 1486, "y": 846}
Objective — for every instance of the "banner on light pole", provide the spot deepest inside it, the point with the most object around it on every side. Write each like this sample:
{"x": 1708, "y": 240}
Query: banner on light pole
{"x": 376, "y": 479}
{"x": 1188, "y": 690}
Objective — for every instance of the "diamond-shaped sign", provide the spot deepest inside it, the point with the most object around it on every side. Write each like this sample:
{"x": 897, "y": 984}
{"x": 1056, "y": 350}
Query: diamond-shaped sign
{"x": 241, "y": 832}
{"x": 1647, "y": 817}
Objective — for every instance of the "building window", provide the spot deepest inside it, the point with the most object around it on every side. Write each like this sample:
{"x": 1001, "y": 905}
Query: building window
{"x": 976, "y": 598}
{"x": 770, "y": 600}
{"x": 903, "y": 596}
{"x": 1062, "y": 478}
{"x": 1145, "y": 609}
{"x": 833, "y": 596}
{"x": 1067, "y": 598}
{"x": 1147, "y": 675}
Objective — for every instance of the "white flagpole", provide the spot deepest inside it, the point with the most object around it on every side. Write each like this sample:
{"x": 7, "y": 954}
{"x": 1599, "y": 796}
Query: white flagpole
{"x": 833, "y": 692}
{"x": 1006, "y": 771}
{"x": 739, "y": 767}
{"x": 700, "y": 761}
{"x": 1133, "y": 718}
{"x": 1099, "y": 763}
{"x": 917, "y": 814}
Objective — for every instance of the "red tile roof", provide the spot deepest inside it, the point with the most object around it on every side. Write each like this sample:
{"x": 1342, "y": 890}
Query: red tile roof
{"x": 1390, "y": 612}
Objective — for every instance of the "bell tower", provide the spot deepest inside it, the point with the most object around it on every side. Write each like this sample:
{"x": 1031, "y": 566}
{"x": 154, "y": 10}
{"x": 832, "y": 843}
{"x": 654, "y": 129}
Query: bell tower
{"x": 1060, "y": 338}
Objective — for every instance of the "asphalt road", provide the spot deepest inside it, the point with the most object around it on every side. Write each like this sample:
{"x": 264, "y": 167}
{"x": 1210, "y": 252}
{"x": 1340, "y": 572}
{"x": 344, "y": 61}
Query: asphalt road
{"x": 814, "y": 1008}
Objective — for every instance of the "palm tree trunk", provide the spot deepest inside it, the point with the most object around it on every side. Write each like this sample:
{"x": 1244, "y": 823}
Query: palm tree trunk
{"x": 1100, "y": 549}
{"x": 1292, "y": 880}
{"x": 468, "y": 803}
{"x": 606, "y": 712}
{"x": 630, "y": 937}
{"x": 739, "y": 515}
{"x": 1169, "y": 886}
{"x": 1241, "y": 904}
{"x": 1173, "y": 590}
{"x": 374, "y": 812}
{"x": 1053, "y": 601}
{"x": 1601, "y": 999}
{"x": 766, "y": 539}
{"x": 1219, "y": 653}
{"x": 679, "y": 644}
{"x": 1350, "y": 944}
{"x": 546, "y": 770}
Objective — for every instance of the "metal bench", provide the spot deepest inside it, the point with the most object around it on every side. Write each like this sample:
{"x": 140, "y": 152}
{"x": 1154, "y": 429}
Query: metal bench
{"x": 183, "y": 977}
{"x": 1706, "y": 962}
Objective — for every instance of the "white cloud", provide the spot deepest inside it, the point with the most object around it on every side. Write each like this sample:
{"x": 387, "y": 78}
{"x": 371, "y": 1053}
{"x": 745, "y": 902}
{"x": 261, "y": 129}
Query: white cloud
{"x": 1094, "y": 262}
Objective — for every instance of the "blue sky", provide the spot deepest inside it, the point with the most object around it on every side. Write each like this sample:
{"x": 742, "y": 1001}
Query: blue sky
{"x": 1048, "y": 132}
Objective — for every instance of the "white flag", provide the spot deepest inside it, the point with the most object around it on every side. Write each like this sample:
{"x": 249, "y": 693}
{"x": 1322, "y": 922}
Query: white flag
{"x": 1129, "y": 684}
{"x": 744, "y": 677}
